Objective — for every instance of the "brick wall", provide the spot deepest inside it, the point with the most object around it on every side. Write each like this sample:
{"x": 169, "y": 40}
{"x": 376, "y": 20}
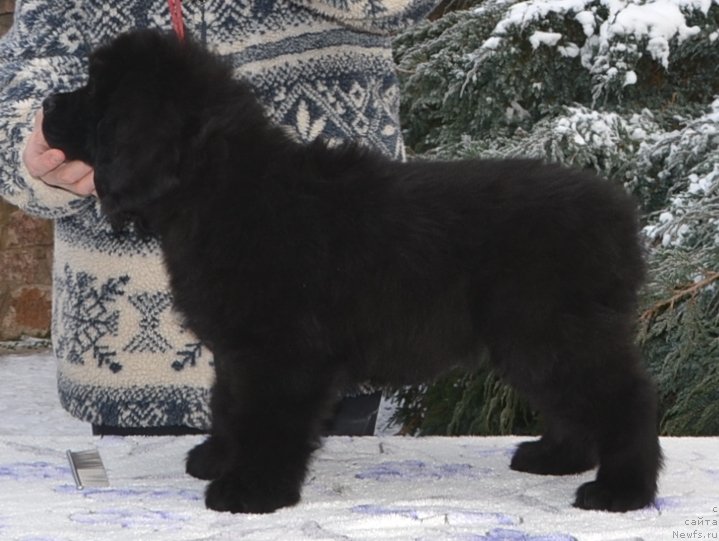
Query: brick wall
{"x": 25, "y": 259}
{"x": 6, "y": 9}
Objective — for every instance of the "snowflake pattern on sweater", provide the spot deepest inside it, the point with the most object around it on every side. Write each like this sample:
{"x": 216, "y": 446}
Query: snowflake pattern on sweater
{"x": 323, "y": 68}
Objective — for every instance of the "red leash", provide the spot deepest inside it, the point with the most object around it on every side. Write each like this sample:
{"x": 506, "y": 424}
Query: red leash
{"x": 176, "y": 15}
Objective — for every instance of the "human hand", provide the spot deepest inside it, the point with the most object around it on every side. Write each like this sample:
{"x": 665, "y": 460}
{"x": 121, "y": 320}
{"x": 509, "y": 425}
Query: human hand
{"x": 49, "y": 165}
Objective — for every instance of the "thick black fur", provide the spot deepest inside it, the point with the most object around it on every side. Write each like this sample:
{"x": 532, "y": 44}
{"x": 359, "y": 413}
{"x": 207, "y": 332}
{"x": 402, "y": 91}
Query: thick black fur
{"x": 306, "y": 268}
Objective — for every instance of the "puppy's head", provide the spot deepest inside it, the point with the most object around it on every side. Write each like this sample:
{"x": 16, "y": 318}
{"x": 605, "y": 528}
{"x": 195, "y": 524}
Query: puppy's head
{"x": 134, "y": 117}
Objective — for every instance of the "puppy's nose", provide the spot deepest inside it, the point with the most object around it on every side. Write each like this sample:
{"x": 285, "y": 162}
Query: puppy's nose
{"x": 48, "y": 104}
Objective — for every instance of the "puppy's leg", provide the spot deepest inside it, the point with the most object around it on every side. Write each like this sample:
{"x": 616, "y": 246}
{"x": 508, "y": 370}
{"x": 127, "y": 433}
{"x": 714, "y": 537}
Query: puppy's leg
{"x": 267, "y": 428}
{"x": 629, "y": 453}
{"x": 564, "y": 449}
{"x": 209, "y": 460}
{"x": 583, "y": 373}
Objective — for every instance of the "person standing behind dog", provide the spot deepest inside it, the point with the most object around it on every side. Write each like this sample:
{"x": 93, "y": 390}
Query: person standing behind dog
{"x": 322, "y": 68}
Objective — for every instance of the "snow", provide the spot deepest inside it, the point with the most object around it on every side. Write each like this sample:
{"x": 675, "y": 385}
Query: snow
{"x": 544, "y": 38}
{"x": 570, "y": 50}
{"x": 589, "y": 127}
{"x": 524, "y": 13}
{"x": 638, "y": 134}
{"x": 660, "y": 21}
{"x": 698, "y": 186}
{"x": 492, "y": 43}
{"x": 647, "y": 26}
{"x": 630, "y": 78}
{"x": 372, "y": 488}
{"x": 587, "y": 20}
{"x": 29, "y": 403}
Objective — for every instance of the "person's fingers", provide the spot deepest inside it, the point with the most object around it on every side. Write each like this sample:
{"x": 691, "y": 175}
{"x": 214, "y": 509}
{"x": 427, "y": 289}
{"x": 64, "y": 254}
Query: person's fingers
{"x": 49, "y": 165}
{"x": 38, "y": 157}
{"x": 76, "y": 177}
{"x": 84, "y": 186}
{"x": 67, "y": 174}
{"x": 39, "y": 165}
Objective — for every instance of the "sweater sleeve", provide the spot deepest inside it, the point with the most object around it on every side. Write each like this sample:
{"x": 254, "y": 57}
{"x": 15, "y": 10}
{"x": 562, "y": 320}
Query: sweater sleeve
{"x": 44, "y": 52}
{"x": 376, "y": 16}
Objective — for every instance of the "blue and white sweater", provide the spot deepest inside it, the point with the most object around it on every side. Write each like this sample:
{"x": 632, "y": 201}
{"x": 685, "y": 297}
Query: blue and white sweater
{"x": 321, "y": 67}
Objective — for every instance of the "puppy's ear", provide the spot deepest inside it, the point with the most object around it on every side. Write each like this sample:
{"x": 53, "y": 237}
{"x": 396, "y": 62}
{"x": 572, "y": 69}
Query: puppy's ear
{"x": 136, "y": 163}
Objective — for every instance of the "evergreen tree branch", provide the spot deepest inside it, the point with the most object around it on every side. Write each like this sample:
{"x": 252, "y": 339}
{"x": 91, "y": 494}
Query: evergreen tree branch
{"x": 690, "y": 290}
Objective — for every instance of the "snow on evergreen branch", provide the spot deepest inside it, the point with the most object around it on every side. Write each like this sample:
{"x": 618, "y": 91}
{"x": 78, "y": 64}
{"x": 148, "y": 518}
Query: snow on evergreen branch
{"x": 689, "y": 160}
{"x": 617, "y": 32}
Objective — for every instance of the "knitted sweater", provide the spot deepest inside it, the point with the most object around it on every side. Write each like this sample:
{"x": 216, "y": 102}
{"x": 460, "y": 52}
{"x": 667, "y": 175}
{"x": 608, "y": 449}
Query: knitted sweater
{"x": 321, "y": 67}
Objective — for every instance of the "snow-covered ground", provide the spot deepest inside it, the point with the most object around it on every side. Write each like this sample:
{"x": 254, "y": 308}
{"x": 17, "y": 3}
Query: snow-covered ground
{"x": 374, "y": 488}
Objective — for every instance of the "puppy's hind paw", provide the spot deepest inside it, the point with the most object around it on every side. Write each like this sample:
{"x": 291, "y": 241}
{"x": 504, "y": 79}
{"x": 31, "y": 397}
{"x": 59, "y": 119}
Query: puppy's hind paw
{"x": 540, "y": 458}
{"x": 229, "y": 494}
{"x": 596, "y": 495}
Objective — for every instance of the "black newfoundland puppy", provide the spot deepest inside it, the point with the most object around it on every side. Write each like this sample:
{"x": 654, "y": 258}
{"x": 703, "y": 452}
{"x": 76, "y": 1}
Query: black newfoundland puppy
{"x": 305, "y": 268}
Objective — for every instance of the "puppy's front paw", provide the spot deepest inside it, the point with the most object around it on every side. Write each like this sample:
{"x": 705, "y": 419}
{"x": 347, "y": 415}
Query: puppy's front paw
{"x": 206, "y": 460}
{"x": 230, "y": 493}
{"x": 597, "y": 495}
